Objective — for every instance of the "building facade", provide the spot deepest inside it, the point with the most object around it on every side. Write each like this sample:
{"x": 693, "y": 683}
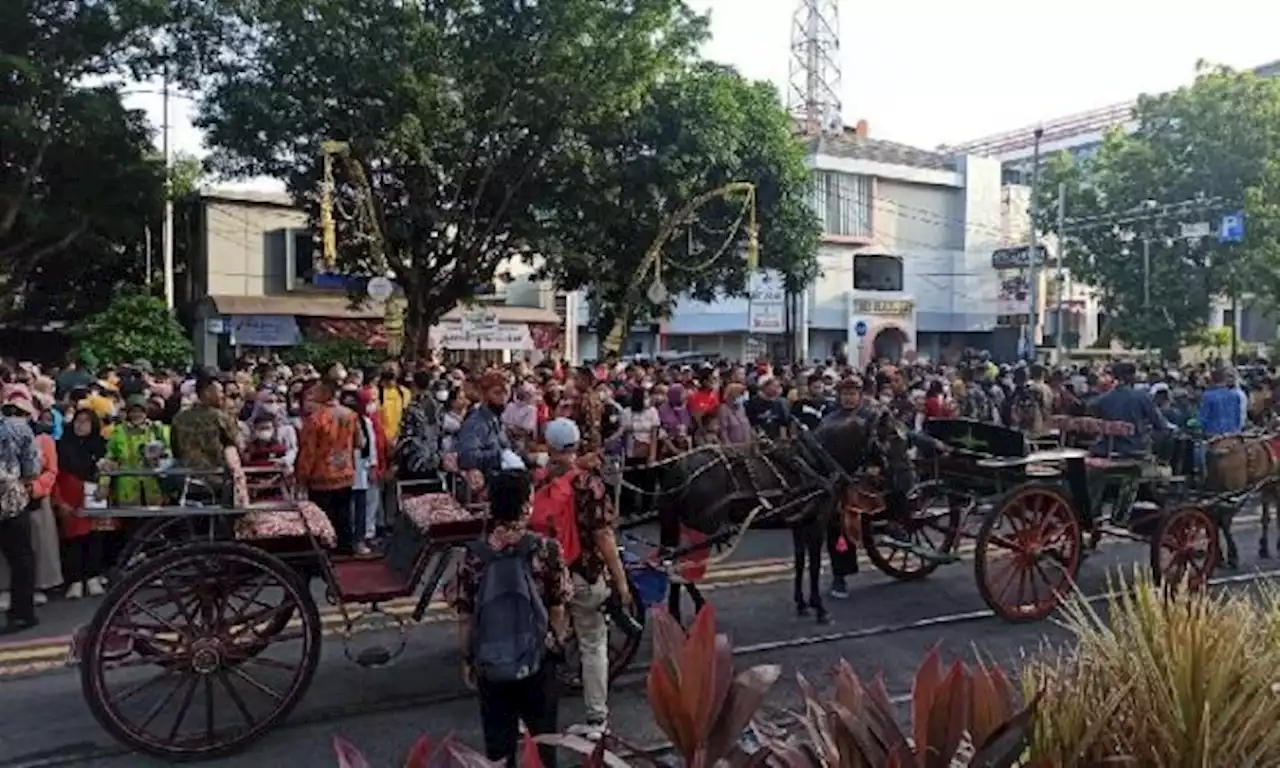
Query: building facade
{"x": 251, "y": 280}
{"x": 905, "y": 260}
{"x": 1081, "y": 135}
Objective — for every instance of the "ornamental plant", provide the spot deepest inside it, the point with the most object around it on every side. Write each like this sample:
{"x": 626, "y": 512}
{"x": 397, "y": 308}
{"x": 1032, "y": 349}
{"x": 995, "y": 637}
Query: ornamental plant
{"x": 960, "y": 716}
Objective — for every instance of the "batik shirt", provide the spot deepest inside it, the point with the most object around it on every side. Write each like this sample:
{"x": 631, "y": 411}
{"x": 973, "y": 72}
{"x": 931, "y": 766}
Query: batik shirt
{"x": 200, "y": 436}
{"x": 550, "y": 574}
{"x": 594, "y": 510}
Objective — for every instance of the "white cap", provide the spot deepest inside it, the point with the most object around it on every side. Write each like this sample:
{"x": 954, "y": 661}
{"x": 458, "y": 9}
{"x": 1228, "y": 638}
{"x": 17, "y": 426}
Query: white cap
{"x": 562, "y": 434}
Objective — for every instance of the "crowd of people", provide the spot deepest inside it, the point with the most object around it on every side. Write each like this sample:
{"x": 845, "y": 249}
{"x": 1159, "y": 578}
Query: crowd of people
{"x": 348, "y": 436}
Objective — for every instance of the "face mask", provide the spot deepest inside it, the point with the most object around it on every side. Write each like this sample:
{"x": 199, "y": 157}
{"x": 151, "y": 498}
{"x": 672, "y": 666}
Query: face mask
{"x": 265, "y": 435}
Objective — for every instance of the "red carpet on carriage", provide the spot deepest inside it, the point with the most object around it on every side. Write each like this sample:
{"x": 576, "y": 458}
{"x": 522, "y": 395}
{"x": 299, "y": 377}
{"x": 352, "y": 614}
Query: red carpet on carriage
{"x": 368, "y": 581}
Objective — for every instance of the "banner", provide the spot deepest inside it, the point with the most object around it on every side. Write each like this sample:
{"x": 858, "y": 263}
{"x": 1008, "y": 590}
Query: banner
{"x": 509, "y": 336}
{"x": 264, "y": 331}
{"x": 766, "y": 304}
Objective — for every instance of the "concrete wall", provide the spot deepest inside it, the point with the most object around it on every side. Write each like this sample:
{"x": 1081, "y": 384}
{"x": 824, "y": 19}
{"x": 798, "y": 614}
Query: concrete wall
{"x": 245, "y": 247}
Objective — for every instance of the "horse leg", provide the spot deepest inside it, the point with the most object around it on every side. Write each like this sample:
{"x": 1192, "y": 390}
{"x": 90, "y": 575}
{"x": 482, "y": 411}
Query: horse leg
{"x": 799, "y": 551}
{"x": 1264, "y": 549}
{"x": 814, "y": 537}
{"x": 1233, "y": 554}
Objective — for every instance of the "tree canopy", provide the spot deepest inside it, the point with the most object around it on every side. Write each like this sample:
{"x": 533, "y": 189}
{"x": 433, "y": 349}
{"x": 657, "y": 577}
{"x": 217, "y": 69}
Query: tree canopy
{"x": 462, "y": 113}
{"x": 1193, "y": 155}
{"x": 79, "y": 181}
{"x": 698, "y": 131}
{"x": 134, "y": 326}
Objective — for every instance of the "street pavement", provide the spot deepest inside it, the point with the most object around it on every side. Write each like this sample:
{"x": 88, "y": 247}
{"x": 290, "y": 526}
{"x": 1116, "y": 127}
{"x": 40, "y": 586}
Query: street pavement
{"x": 884, "y": 627}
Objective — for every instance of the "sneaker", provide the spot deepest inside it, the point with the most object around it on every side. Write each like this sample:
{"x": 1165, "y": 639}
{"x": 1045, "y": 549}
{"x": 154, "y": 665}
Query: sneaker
{"x": 40, "y": 598}
{"x": 363, "y": 550}
{"x": 75, "y": 591}
{"x": 95, "y": 587}
{"x": 839, "y": 590}
{"x": 590, "y": 730}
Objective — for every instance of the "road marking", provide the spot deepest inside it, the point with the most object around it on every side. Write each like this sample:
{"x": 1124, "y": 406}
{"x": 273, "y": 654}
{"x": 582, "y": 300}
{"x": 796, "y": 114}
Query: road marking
{"x": 50, "y": 653}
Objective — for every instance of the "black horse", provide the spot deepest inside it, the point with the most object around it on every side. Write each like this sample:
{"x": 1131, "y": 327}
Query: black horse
{"x": 802, "y": 482}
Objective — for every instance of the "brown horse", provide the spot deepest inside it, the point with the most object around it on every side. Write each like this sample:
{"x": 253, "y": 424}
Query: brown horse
{"x": 720, "y": 491}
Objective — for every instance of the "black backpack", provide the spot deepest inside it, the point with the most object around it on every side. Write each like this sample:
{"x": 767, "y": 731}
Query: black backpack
{"x": 510, "y": 621}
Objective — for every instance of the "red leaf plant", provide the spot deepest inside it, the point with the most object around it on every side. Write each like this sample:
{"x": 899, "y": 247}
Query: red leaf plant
{"x": 696, "y": 698}
{"x": 445, "y": 753}
{"x": 951, "y": 708}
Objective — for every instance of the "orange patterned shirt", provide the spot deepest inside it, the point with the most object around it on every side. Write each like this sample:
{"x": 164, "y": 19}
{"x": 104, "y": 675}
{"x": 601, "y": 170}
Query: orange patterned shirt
{"x": 327, "y": 447}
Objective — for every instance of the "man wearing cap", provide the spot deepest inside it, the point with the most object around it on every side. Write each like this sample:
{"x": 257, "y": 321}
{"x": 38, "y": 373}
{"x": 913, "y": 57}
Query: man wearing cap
{"x": 482, "y": 443}
{"x": 599, "y": 556}
{"x": 19, "y": 468}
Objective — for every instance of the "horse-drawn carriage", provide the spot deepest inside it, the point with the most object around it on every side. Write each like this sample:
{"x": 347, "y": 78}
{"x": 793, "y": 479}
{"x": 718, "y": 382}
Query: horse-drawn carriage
{"x": 1028, "y": 506}
{"x": 210, "y": 635}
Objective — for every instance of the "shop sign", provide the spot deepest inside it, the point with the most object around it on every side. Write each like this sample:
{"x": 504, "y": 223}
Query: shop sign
{"x": 896, "y": 308}
{"x": 1018, "y": 258}
{"x": 502, "y": 336}
{"x": 264, "y": 331}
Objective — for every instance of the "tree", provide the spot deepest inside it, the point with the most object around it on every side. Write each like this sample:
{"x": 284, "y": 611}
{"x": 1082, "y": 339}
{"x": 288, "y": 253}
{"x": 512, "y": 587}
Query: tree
{"x": 460, "y": 112}
{"x": 186, "y": 173}
{"x": 693, "y": 133}
{"x": 78, "y": 184}
{"x": 1194, "y": 154}
{"x": 134, "y": 326}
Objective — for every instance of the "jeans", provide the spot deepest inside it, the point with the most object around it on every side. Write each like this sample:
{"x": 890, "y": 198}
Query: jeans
{"x": 592, "y": 631}
{"x": 17, "y": 548}
{"x": 535, "y": 701}
{"x": 336, "y": 504}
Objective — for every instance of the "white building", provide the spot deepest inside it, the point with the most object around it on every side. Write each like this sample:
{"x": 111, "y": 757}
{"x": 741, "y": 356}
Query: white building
{"x": 906, "y": 255}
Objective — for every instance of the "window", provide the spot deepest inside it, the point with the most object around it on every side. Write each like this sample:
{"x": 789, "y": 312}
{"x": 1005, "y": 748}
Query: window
{"x": 1228, "y": 318}
{"x": 842, "y": 202}
{"x": 304, "y": 255}
{"x": 877, "y": 273}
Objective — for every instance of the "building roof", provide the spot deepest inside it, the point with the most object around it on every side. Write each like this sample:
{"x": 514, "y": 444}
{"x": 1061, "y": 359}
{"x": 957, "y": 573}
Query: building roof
{"x": 247, "y": 196}
{"x": 337, "y": 305}
{"x": 851, "y": 145}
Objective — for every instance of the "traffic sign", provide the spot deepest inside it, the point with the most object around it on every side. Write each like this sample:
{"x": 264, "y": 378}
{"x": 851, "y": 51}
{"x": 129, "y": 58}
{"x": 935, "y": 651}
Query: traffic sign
{"x": 860, "y": 328}
{"x": 1232, "y": 230}
{"x": 380, "y": 289}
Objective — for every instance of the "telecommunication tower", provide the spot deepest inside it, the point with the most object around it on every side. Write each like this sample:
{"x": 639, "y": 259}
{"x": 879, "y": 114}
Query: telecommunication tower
{"x": 814, "y": 94}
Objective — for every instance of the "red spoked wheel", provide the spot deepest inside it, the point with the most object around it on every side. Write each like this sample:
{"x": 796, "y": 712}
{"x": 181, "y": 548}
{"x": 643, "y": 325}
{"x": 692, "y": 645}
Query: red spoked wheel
{"x": 932, "y": 523}
{"x": 1028, "y": 552}
{"x": 186, "y": 657}
{"x": 1185, "y": 547}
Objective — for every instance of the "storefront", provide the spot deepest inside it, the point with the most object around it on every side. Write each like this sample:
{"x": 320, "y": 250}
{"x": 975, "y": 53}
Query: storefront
{"x": 881, "y": 329}
{"x": 228, "y": 327}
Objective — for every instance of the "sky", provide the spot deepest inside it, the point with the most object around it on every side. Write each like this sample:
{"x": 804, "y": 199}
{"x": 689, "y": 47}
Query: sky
{"x": 931, "y": 72}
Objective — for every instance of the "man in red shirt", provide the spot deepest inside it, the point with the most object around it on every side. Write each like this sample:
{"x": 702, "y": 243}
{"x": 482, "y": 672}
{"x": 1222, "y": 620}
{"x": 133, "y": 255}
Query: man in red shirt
{"x": 704, "y": 399}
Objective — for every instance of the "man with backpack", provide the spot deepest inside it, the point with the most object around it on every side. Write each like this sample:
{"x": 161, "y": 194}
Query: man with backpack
{"x": 513, "y": 588}
{"x": 572, "y": 505}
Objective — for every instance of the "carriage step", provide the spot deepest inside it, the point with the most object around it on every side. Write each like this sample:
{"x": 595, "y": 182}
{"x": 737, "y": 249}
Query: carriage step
{"x": 373, "y": 657}
{"x": 931, "y": 556}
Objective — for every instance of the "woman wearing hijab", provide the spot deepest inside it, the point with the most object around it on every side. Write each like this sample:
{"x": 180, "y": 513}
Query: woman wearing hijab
{"x": 79, "y": 451}
{"x": 677, "y": 421}
{"x": 271, "y": 415}
{"x": 520, "y": 417}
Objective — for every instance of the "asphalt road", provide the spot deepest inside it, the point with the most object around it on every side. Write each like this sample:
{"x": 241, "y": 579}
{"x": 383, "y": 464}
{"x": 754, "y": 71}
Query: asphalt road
{"x": 884, "y": 627}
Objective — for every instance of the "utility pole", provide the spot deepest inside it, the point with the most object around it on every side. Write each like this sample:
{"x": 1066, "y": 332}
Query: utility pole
{"x": 1146, "y": 270}
{"x": 167, "y": 244}
{"x": 1062, "y": 257}
{"x": 1033, "y": 265}
{"x": 146, "y": 231}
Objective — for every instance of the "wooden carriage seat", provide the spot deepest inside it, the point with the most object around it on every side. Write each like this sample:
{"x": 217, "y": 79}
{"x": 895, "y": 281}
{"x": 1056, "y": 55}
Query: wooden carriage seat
{"x": 276, "y": 523}
{"x": 1088, "y": 426}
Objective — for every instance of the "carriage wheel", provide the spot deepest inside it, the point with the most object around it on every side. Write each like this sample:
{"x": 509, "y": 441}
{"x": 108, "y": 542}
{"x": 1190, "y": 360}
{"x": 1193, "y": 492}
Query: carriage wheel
{"x": 1028, "y": 552}
{"x": 1185, "y": 547}
{"x": 936, "y": 517}
{"x": 623, "y": 648}
{"x": 161, "y": 534}
{"x": 180, "y": 661}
